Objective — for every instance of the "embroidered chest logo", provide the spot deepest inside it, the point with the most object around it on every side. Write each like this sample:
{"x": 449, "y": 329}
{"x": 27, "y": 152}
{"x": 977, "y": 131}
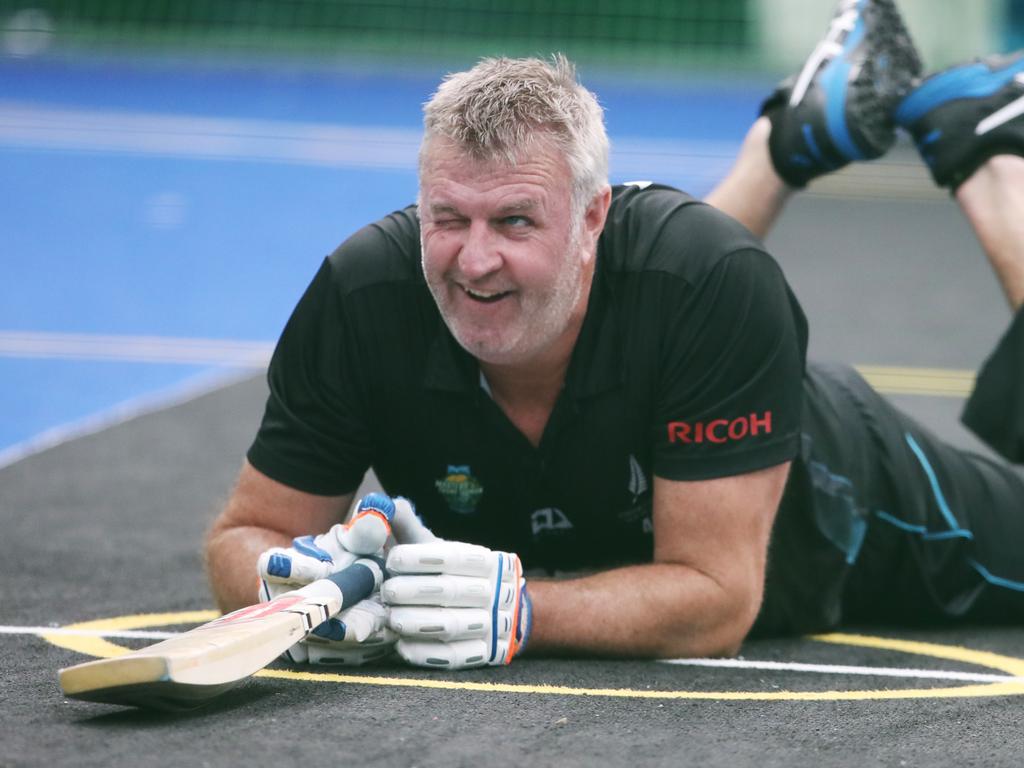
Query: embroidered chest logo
{"x": 460, "y": 490}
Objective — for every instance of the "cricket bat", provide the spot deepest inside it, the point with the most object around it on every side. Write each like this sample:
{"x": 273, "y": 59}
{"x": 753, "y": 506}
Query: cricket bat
{"x": 186, "y": 671}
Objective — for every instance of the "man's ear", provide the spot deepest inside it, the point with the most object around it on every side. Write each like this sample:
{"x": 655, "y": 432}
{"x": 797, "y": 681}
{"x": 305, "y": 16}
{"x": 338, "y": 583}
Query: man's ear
{"x": 594, "y": 218}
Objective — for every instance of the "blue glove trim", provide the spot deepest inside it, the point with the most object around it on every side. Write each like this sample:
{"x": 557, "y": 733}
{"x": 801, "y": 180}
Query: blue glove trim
{"x": 305, "y": 545}
{"x": 525, "y": 620}
{"x": 279, "y": 565}
{"x": 494, "y": 607}
{"x": 379, "y": 502}
{"x": 332, "y": 629}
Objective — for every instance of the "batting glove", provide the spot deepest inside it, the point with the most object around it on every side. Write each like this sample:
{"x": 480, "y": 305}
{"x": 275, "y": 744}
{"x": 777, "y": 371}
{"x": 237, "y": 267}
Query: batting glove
{"x": 456, "y": 605}
{"x": 359, "y": 634}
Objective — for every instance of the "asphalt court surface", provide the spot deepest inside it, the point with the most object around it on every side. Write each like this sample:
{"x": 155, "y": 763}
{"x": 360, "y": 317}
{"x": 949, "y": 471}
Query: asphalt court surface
{"x": 109, "y": 526}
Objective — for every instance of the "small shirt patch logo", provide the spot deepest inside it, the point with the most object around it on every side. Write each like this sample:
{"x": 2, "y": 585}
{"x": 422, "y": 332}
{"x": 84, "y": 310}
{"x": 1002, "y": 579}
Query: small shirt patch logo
{"x": 549, "y": 519}
{"x": 640, "y": 503}
{"x": 637, "y": 479}
{"x": 460, "y": 489}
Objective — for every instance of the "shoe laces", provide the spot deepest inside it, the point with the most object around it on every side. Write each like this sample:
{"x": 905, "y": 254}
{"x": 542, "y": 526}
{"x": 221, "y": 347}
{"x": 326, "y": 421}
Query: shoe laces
{"x": 827, "y": 49}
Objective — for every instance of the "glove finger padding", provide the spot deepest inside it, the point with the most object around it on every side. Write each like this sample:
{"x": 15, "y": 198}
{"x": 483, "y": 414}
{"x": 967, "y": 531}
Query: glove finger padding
{"x": 360, "y": 633}
{"x": 463, "y": 606}
{"x": 446, "y": 624}
{"x": 350, "y": 654}
{"x": 308, "y": 559}
{"x": 356, "y": 636}
{"x": 459, "y": 654}
{"x": 364, "y": 620}
{"x": 455, "y": 558}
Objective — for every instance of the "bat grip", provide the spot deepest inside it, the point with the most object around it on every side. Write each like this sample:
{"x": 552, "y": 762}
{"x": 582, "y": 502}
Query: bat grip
{"x": 359, "y": 580}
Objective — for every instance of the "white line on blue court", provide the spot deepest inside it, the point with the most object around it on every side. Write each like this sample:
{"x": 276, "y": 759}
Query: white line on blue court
{"x": 701, "y": 162}
{"x": 313, "y": 144}
{"x": 140, "y": 349}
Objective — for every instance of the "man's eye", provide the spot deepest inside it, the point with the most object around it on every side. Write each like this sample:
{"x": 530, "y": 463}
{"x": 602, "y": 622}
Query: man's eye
{"x": 517, "y": 221}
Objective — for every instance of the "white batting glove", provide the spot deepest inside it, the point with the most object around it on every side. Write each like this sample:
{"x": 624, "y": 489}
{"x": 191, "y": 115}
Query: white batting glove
{"x": 359, "y": 634}
{"x": 456, "y": 605}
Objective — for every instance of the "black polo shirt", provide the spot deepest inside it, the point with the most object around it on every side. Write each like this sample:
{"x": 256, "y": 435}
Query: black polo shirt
{"x": 688, "y": 366}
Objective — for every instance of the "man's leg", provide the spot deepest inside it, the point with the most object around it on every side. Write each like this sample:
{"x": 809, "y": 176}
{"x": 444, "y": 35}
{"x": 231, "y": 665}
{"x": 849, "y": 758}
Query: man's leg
{"x": 993, "y": 201}
{"x": 968, "y": 122}
{"x": 836, "y": 110}
{"x": 961, "y": 515}
{"x": 932, "y": 532}
{"x": 753, "y": 193}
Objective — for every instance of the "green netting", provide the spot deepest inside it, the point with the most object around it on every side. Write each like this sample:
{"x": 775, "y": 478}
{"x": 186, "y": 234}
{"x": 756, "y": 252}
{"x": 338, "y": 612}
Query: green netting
{"x": 643, "y": 31}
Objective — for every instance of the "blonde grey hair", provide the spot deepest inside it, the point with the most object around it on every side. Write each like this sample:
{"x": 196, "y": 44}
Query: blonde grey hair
{"x": 502, "y": 107}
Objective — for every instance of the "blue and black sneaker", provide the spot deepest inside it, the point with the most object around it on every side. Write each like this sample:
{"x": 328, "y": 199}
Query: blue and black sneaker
{"x": 839, "y": 107}
{"x": 964, "y": 115}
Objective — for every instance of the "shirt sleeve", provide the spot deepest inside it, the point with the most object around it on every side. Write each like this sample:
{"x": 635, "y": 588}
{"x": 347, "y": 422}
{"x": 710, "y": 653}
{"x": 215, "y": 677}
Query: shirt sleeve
{"x": 730, "y": 386}
{"x": 314, "y": 436}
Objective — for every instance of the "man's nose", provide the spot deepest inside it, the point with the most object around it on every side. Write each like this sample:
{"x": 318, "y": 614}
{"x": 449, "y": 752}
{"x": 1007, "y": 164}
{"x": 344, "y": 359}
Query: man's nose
{"x": 480, "y": 254}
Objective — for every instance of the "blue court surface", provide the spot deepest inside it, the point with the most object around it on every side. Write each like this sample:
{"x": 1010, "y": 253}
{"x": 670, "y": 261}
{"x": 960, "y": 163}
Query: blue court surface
{"x": 158, "y": 204}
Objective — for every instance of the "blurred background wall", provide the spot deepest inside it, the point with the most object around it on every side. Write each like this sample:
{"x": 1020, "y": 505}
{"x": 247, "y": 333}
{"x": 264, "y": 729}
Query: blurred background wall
{"x": 701, "y": 35}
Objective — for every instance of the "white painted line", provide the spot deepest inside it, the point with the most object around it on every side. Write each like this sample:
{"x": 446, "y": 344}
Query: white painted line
{"x": 198, "y": 137}
{"x": 839, "y": 669}
{"x": 696, "y": 163}
{"x": 138, "y": 349}
{"x": 190, "y": 389}
{"x": 772, "y": 666}
{"x": 209, "y": 138}
{"x": 127, "y": 634}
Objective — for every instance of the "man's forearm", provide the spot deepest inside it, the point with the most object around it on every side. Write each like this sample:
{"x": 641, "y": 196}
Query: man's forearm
{"x": 231, "y": 556}
{"x": 657, "y": 610}
{"x": 261, "y": 513}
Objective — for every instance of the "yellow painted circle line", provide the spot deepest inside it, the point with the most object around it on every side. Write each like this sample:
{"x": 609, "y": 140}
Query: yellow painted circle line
{"x": 935, "y": 382}
{"x": 100, "y": 647}
{"x": 104, "y": 649}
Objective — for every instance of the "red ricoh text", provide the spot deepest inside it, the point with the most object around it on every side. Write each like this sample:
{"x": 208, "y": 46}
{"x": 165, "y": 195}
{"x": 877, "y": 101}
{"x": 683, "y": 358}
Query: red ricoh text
{"x": 720, "y": 430}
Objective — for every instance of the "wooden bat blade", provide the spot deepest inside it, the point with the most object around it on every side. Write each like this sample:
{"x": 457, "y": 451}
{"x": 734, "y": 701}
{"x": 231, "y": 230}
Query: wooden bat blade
{"x": 138, "y": 682}
{"x": 189, "y": 670}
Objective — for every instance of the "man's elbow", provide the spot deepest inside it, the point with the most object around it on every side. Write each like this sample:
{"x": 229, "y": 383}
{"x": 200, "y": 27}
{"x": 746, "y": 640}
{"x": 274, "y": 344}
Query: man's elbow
{"x": 230, "y": 552}
{"x": 727, "y": 622}
{"x": 216, "y": 553}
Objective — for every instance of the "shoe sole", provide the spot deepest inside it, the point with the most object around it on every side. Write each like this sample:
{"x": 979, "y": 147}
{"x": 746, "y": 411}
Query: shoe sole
{"x": 887, "y": 73}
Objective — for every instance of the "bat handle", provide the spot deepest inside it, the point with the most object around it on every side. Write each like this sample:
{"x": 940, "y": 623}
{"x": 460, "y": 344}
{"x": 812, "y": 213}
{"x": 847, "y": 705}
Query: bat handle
{"x": 351, "y": 584}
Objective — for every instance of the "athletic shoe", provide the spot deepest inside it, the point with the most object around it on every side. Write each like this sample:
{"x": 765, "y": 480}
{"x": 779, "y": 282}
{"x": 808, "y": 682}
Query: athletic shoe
{"x": 966, "y": 114}
{"x": 839, "y": 107}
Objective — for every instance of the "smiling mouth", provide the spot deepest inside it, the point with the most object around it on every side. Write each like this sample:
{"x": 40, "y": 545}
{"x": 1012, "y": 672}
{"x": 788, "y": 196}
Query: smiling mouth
{"x": 485, "y": 297}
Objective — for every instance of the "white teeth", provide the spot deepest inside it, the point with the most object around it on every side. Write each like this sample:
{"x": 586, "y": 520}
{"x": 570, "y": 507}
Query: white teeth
{"x": 483, "y": 294}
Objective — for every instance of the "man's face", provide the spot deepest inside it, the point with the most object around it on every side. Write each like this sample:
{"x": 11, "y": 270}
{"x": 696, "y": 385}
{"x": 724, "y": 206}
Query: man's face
{"x": 501, "y": 252}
